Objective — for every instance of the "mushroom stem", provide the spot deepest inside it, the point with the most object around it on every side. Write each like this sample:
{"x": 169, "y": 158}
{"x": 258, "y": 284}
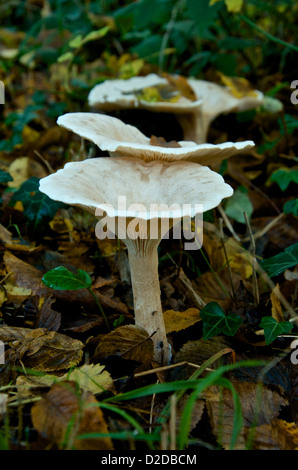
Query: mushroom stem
{"x": 195, "y": 128}
{"x": 146, "y": 295}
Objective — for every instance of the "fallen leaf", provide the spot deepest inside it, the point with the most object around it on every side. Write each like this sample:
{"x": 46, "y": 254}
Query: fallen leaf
{"x": 91, "y": 377}
{"x": 278, "y": 435}
{"x": 44, "y": 315}
{"x": 66, "y": 413}
{"x": 176, "y": 321}
{"x": 129, "y": 342}
{"x": 161, "y": 142}
{"x": 257, "y": 409}
{"x": 238, "y": 86}
{"x": 276, "y": 309}
{"x": 41, "y": 349}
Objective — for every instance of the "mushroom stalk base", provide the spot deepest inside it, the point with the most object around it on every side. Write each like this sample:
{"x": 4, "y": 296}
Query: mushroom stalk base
{"x": 147, "y": 303}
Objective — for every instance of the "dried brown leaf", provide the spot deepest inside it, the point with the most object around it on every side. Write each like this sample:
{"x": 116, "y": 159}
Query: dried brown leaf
{"x": 41, "y": 349}
{"x": 130, "y": 342}
{"x": 260, "y": 409}
{"x": 278, "y": 435}
{"x": 66, "y": 413}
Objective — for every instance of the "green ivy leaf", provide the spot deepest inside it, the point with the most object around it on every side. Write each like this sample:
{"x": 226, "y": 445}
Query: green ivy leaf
{"x": 61, "y": 278}
{"x": 238, "y": 204}
{"x": 215, "y": 321}
{"x": 5, "y": 177}
{"x": 272, "y": 328}
{"x": 39, "y": 209}
{"x": 291, "y": 207}
{"x": 284, "y": 176}
{"x": 279, "y": 263}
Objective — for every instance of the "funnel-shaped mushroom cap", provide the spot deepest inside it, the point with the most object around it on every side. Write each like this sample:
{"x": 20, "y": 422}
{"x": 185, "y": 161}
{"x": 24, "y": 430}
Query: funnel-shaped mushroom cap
{"x": 148, "y": 187}
{"x": 218, "y": 99}
{"x": 120, "y": 139}
{"x": 125, "y": 94}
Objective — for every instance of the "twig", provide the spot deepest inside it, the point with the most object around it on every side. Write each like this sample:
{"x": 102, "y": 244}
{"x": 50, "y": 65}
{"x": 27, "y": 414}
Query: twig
{"x": 44, "y": 161}
{"x": 226, "y": 256}
{"x": 228, "y": 223}
{"x": 266, "y": 228}
{"x": 255, "y": 286}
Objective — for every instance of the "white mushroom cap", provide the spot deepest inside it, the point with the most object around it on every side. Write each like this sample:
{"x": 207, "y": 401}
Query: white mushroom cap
{"x": 217, "y": 100}
{"x": 120, "y": 139}
{"x": 97, "y": 184}
{"x": 123, "y": 94}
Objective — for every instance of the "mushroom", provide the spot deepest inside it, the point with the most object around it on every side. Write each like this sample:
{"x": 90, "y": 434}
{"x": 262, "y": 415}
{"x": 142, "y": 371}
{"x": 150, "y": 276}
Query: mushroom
{"x": 139, "y": 202}
{"x": 119, "y": 139}
{"x": 125, "y": 94}
{"x": 217, "y": 100}
{"x": 194, "y": 115}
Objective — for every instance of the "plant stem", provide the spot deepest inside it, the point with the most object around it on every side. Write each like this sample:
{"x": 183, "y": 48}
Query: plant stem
{"x": 268, "y": 35}
{"x": 99, "y": 306}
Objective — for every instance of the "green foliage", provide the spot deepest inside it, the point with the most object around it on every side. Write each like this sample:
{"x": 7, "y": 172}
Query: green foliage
{"x": 5, "y": 177}
{"x": 61, "y": 278}
{"x": 291, "y": 207}
{"x": 238, "y": 204}
{"x": 216, "y": 321}
{"x": 39, "y": 209}
{"x": 16, "y": 122}
{"x": 282, "y": 261}
{"x": 273, "y": 328}
{"x": 284, "y": 176}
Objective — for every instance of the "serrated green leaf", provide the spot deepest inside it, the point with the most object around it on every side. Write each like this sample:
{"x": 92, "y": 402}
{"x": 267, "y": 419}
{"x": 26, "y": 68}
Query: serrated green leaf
{"x": 61, "y": 278}
{"x": 39, "y": 209}
{"x": 238, "y": 204}
{"x": 5, "y": 177}
{"x": 215, "y": 321}
{"x": 272, "y": 328}
{"x": 279, "y": 263}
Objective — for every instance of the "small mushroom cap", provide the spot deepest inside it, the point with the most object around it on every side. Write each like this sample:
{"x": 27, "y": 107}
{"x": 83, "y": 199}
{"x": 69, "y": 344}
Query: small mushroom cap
{"x": 98, "y": 183}
{"x": 218, "y": 99}
{"x": 123, "y": 94}
{"x": 120, "y": 139}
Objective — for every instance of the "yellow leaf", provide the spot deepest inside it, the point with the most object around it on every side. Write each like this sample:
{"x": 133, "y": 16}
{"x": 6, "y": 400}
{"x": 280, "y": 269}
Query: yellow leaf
{"x": 238, "y": 86}
{"x": 234, "y": 6}
{"x": 276, "y": 310}
{"x": 176, "y": 321}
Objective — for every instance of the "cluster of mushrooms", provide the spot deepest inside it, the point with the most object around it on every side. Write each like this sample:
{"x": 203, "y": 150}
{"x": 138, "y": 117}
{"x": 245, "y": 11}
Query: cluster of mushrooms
{"x": 147, "y": 174}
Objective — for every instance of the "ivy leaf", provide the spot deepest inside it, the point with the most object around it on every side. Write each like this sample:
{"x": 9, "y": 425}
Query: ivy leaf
{"x": 273, "y": 328}
{"x": 237, "y": 204}
{"x": 284, "y": 176}
{"x": 215, "y": 321}
{"x": 5, "y": 177}
{"x": 291, "y": 207}
{"x": 61, "y": 278}
{"x": 279, "y": 263}
{"x": 39, "y": 209}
